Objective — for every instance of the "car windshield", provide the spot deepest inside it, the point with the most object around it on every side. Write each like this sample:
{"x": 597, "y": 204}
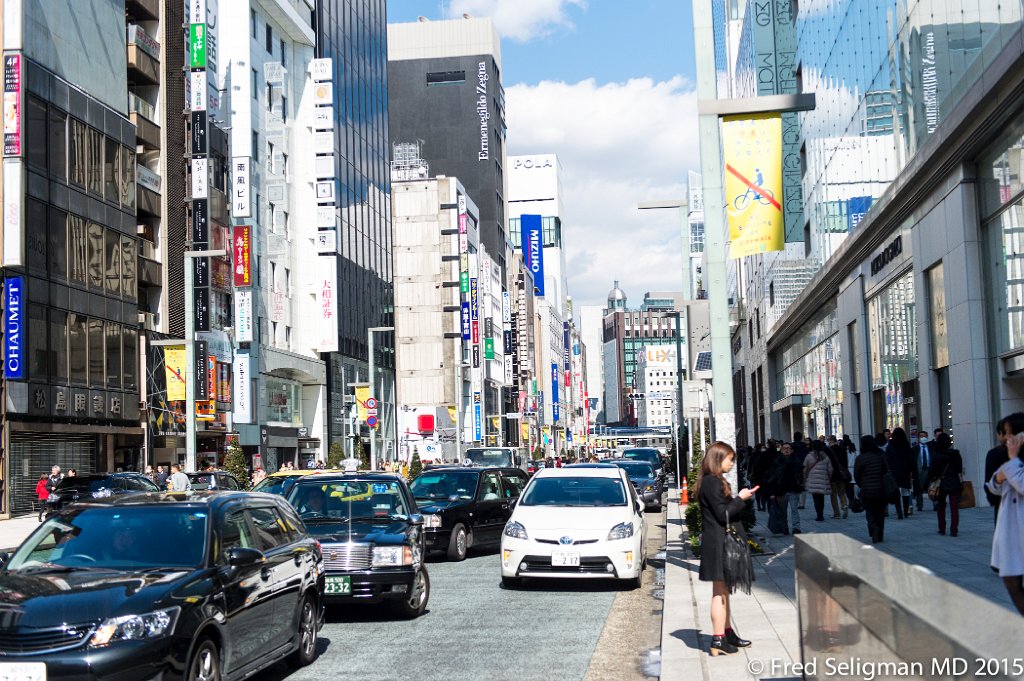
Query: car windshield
{"x": 90, "y": 485}
{"x": 582, "y": 491}
{"x": 650, "y": 455}
{"x": 117, "y": 537}
{"x": 334, "y": 500}
{"x": 636, "y": 469}
{"x": 276, "y": 484}
{"x": 440, "y": 484}
{"x": 201, "y": 481}
{"x": 481, "y": 456}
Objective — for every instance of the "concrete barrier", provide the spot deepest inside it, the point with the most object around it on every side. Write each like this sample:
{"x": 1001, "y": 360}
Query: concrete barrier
{"x": 866, "y": 615}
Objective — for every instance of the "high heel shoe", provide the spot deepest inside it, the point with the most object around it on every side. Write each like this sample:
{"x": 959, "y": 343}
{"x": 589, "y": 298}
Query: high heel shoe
{"x": 733, "y": 638}
{"x": 721, "y": 646}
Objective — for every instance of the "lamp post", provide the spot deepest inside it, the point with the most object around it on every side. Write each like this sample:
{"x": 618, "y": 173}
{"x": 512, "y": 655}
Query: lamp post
{"x": 190, "y": 355}
{"x": 459, "y": 366}
{"x": 373, "y": 387}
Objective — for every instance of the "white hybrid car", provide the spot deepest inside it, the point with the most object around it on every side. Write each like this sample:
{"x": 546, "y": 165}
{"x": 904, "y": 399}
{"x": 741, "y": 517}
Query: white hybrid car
{"x": 576, "y": 522}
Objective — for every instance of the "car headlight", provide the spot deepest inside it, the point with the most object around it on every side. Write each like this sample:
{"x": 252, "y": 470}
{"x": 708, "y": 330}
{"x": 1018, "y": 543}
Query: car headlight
{"x": 431, "y": 521}
{"x": 392, "y": 556}
{"x": 621, "y": 531}
{"x": 648, "y": 488}
{"x": 516, "y": 530}
{"x": 135, "y": 627}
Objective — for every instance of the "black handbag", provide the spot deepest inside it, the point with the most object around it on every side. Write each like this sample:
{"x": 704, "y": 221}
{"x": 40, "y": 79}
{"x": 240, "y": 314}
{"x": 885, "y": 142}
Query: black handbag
{"x": 857, "y": 505}
{"x": 737, "y": 563}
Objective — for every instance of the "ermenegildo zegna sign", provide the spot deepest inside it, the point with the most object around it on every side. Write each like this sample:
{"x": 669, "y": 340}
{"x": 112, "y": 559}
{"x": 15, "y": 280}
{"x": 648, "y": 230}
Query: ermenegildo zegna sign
{"x": 887, "y": 255}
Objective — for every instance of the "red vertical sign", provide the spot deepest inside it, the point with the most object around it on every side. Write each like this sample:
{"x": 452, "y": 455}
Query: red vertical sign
{"x": 242, "y": 259}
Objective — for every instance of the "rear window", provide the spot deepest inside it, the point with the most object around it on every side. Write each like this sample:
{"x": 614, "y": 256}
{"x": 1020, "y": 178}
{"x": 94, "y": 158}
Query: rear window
{"x": 583, "y": 491}
{"x": 498, "y": 458}
{"x": 90, "y": 484}
{"x": 275, "y": 484}
{"x": 636, "y": 469}
{"x": 650, "y": 455}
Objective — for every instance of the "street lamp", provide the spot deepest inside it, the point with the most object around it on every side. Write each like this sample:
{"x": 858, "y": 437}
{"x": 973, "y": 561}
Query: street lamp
{"x": 373, "y": 388}
{"x": 190, "y": 355}
{"x": 459, "y": 366}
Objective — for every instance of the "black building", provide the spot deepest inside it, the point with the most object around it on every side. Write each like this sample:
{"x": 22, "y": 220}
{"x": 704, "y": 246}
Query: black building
{"x": 454, "y": 102}
{"x": 353, "y": 33}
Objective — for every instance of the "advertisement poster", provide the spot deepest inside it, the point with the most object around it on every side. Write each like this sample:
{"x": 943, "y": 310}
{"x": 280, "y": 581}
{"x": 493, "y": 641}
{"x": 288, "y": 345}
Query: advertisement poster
{"x": 243, "y": 260}
{"x": 174, "y": 372}
{"x": 752, "y": 148}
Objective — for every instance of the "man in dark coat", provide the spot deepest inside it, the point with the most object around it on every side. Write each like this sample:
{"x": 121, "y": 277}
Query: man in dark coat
{"x": 785, "y": 482}
{"x": 760, "y": 467}
{"x": 868, "y": 471}
{"x": 800, "y": 452}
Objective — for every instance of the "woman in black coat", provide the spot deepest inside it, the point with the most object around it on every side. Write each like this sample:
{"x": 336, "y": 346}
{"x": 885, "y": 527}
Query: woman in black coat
{"x": 716, "y": 502}
{"x": 869, "y": 471}
{"x": 900, "y": 458}
{"x": 947, "y": 465}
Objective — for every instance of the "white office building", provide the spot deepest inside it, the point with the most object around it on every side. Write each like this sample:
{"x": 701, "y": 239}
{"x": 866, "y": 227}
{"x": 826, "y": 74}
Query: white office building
{"x": 657, "y": 384}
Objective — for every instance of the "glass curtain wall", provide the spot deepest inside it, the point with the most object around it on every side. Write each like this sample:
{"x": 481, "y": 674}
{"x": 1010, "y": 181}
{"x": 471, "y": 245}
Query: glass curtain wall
{"x": 811, "y": 367}
{"x": 892, "y": 336}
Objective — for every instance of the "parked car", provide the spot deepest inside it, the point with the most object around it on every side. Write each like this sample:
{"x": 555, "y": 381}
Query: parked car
{"x": 534, "y": 465}
{"x": 372, "y": 537}
{"x": 206, "y": 585}
{"x": 72, "y": 489}
{"x": 648, "y": 454}
{"x": 648, "y": 486}
{"x": 281, "y": 482}
{"x": 213, "y": 480}
{"x": 466, "y": 507}
{"x": 576, "y": 522}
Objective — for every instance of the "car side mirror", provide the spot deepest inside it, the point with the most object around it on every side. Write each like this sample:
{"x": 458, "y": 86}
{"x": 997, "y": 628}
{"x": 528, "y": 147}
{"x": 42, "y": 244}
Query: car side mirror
{"x": 416, "y": 519}
{"x": 244, "y": 557}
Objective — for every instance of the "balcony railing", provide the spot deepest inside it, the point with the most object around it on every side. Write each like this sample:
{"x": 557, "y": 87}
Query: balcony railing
{"x": 140, "y": 106}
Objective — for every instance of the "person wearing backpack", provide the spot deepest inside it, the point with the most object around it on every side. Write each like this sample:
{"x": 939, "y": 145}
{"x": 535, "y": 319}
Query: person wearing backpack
{"x": 947, "y": 465}
{"x": 818, "y": 477}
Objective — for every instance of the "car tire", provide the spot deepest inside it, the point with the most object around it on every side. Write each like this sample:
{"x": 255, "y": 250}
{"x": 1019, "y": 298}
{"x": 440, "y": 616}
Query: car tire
{"x": 511, "y": 582}
{"x": 306, "y": 652}
{"x": 415, "y": 603}
{"x": 205, "y": 662}
{"x": 458, "y": 545}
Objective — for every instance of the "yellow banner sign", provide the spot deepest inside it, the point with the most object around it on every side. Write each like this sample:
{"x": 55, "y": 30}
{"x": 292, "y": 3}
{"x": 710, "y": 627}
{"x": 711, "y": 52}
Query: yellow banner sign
{"x": 174, "y": 368}
{"x": 362, "y": 394}
{"x": 752, "y": 146}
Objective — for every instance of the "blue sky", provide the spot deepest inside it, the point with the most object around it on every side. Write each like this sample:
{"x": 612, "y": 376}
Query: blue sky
{"x": 607, "y": 85}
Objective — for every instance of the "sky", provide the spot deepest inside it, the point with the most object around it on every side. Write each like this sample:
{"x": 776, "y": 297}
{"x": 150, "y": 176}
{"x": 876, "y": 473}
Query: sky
{"x": 608, "y": 86}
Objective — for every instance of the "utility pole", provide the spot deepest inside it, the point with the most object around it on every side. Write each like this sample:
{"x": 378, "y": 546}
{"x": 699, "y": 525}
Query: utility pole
{"x": 373, "y": 389}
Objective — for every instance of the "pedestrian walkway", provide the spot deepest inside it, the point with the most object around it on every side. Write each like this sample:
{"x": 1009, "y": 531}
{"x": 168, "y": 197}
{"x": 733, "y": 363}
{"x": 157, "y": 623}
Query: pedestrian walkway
{"x": 769, "y": 618}
{"x": 15, "y": 530}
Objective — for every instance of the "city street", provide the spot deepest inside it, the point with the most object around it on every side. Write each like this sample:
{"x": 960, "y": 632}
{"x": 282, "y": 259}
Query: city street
{"x": 474, "y": 629}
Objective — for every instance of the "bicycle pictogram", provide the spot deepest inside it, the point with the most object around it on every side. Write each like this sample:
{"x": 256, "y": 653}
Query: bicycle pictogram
{"x": 765, "y": 197}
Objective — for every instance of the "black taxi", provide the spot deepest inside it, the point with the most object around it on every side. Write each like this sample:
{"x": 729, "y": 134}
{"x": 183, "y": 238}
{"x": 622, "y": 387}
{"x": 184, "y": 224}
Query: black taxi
{"x": 372, "y": 538}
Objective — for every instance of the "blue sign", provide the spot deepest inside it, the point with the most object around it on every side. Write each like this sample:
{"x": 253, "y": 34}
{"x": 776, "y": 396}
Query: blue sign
{"x": 478, "y": 423}
{"x": 466, "y": 326}
{"x": 554, "y": 412}
{"x": 532, "y": 234}
{"x": 554, "y": 383}
{"x": 14, "y": 328}
{"x": 565, "y": 350}
{"x": 856, "y": 209}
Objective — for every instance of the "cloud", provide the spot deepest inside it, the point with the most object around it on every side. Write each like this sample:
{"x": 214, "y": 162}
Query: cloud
{"x": 618, "y": 144}
{"x": 520, "y": 20}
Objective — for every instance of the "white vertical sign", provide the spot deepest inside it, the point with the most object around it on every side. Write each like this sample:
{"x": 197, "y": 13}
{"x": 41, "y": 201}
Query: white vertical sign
{"x": 200, "y": 180}
{"x": 242, "y": 383}
{"x": 240, "y": 187}
{"x": 14, "y": 216}
{"x": 243, "y": 315}
{"x": 197, "y": 91}
{"x": 327, "y": 302}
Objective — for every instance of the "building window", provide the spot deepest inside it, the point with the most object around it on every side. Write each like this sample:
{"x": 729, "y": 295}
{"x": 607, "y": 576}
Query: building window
{"x": 97, "y": 373}
{"x": 59, "y": 346}
{"x": 252, "y": 22}
{"x": 78, "y": 349}
{"x": 57, "y": 236}
{"x": 446, "y": 78}
{"x": 77, "y": 153}
{"x": 270, "y": 157}
{"x": 127, "y": 180}
{"x": 284, "y": 165}
{"x": 94, "y": 161}
{"x": 255, "y": 147}
{"x": 112, "y": 273}
{"x": 287, "y": 338}
{"x": 78, "y": 249}
{"x": 273, "y": 334}
{"x": 771, "y": 293}
{"x": 255, "y": 85}
{"x": 268, "y": 94}
{"x": 111, "y": 170}
{"x": 114, "y": 372}
{"x": 270, "y": 40}
{"x": 38, "y": 350}
{"x": 284, "y": 109}
{"x": 58, "y": 134}
{"x": 130, "y": 339}
{"x": 128, "y": 278}
{"x": 284, "y": 59}
{"x": 95, "y": 269}
{"x": 35, "y": 133}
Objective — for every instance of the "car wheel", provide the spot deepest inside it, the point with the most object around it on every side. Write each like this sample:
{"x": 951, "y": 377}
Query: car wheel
{"x": 306, "y": 652}
{"x": 205, "y": 662}
{"x": 511, "y": 582}
{"x": 458, "y": 545}
{"x": 415, "y": 603}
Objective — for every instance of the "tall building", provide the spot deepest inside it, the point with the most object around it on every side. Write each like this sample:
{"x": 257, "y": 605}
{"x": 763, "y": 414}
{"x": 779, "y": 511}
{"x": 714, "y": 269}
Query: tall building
{"x": 69, "y": 246}
{"x": 898, "y": 284}
{"x": 353, "y": 34}
{"x": 592, "y": 335}
{"x": 444, "y": 87}
{"x": 657, "y": 381}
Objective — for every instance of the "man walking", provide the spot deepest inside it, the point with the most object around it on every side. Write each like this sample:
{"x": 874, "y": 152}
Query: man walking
{"x": 161, "y": 478}
{"x": 922, "y": 462}
{"x": 785, "y": 480}
{"x": 179, "y": 481}
{"x": 800, "y": 451}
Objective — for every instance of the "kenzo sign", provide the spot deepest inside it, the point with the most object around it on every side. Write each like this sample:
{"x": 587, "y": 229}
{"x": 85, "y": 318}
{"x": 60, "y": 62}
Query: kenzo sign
{"x": 888, "y": 254}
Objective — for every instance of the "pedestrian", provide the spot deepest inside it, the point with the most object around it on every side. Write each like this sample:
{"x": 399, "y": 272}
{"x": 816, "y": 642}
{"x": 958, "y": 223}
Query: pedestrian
{"x": 149, "y": 472}
{"x": 818, "y": 477}
{"x": 54, "y": 478}
{"x": 719, "y": 510}
{"x": 869, "y": 471}
{"x": 72, "y": 473}
{"x": 922, "y": 462}
{"x": 765, "y": 460}
{"x": 42, "y": 494}
{"x": 947, "y": 466}
{"x": 178, "y": 480}
{"x": 800, "y": 451}
{"x": 851, "y": 461}
{"x": 161, "y": 478}
{"x": 900, "y": 458}
{"x": 840, "y": 476}
{"x": 785, "y": 480}
{"x": 258, "y": 475}
{"x": 997, "y": 456}
{"x": 1008, "y": 540}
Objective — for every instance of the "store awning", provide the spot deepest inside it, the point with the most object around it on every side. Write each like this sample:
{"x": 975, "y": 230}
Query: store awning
{"x": 791, "y": 401}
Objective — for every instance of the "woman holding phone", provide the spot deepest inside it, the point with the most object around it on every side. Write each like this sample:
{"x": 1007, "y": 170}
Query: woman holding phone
{"x": 716, "y": 505}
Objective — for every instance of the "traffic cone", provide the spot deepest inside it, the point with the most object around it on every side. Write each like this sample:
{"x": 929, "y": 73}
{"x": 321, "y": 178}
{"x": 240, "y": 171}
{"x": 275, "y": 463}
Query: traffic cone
{"x": 685, "y": 497}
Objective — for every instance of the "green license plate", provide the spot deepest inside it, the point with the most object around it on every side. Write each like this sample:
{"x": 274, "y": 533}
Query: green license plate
{"x": 338, "y": 585}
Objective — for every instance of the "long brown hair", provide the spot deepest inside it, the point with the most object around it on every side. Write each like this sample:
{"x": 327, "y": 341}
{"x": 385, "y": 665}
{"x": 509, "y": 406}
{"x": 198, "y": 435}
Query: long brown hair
{"x": 711, "y": 466}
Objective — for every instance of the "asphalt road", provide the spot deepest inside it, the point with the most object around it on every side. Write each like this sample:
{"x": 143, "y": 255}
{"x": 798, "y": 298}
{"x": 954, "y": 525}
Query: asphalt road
{"x": 475, "y": 630}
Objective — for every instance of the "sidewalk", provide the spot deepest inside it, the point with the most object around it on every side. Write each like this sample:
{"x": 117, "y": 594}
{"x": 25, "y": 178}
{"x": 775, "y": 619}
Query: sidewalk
{"x": 768, "y": 617}
{"x": 15, "y": 530}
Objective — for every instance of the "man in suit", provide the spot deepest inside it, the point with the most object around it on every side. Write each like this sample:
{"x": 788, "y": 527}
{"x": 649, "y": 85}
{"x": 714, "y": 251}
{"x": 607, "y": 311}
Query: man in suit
{"x": 922, "y": 462}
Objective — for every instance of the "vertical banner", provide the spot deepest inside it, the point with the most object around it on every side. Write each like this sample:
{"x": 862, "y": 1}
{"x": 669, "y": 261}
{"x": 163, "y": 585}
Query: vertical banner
{"x": 241, "y": 206}
{"x": 12, "y": 103}
{"x": 243, "y": 316}
{"x": 752, "y": 148}
{"x": 532, "y": 233}
{"x": 362, "y": 394}
{"x": 327, "y": 302}
{"x": 174, "y": 372}
{"x": 554, "y": 388}
{"x": 243, "y": 389}
{"x": 200, "y": 350}
{"x": 14, "y": 328}
{"x": 14, "y": 214}
{"x": 201, "y": 308}
{"x": 242, "y": 256}
{"x": 466, "y": 322}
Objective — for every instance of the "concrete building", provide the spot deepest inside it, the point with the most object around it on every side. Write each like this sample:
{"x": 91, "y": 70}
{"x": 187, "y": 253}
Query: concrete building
{"x": 658, "y": 382}
{"x": 592, "y": 335}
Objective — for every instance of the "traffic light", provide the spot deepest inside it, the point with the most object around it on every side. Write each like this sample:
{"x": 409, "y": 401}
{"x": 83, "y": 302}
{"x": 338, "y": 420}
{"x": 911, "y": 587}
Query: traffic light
{"x": 684, "y": 438}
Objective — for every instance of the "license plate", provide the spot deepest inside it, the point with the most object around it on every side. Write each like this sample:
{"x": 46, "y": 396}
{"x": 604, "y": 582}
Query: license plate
{"x": 334, "y": 585}
{"x": 22, "y": 671}
{"x": 565, "y": 558}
